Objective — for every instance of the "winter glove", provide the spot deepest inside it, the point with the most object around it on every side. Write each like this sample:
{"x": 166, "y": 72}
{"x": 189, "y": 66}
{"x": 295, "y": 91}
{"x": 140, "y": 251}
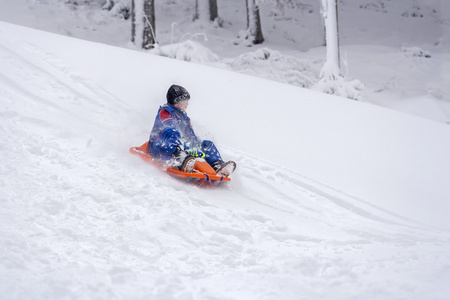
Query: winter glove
{"x": 195, "y": 152}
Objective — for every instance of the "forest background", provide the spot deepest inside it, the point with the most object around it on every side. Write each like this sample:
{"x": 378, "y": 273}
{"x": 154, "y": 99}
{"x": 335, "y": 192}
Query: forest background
{"x": 392, "y": 53}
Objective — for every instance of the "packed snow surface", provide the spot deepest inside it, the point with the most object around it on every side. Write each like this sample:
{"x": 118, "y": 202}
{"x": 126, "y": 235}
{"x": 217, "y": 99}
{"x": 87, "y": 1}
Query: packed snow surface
{"x": 332, "y": 198}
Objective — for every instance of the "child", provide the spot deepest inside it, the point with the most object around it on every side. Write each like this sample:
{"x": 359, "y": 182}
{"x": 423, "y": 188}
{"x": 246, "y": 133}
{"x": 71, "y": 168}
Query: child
{"x": 173, "y": 140}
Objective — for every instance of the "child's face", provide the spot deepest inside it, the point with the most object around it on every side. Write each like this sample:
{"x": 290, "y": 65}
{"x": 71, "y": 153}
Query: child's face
{"x": 182, "y": 105}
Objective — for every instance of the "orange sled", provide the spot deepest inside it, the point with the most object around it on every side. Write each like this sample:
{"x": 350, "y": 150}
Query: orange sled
{"x": 202, "y": 170}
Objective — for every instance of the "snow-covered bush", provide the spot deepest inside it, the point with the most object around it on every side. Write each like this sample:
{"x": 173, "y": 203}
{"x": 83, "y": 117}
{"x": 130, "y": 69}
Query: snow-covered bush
{"x": 86, "y": 2}
{"x": 332, "y": 82}
{"x": 340, "y": 87}
{"x": 244, "y": 38}
{"x": 273, "y": 65}
{"x": 81, "y": 2}
{"x": 378, "y": 6}
{"x": 264, "y": 63}
{"x": 188, "y": 51}
{"x": 120, "y": 8}
{"x": 415, "y": 52}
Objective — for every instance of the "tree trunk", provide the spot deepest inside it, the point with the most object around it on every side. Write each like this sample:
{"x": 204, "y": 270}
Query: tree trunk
{"x": 248, "y": 14}
{"x": 206, "y": 10}
{"x": 331, "y": 35}
{"x": 254, "y": 22}
{"x": 213, "y": 10}
{"x": 143, "y": 23}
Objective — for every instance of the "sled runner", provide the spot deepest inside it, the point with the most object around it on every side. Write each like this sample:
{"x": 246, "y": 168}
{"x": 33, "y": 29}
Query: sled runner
{"x": 202, "y": 170}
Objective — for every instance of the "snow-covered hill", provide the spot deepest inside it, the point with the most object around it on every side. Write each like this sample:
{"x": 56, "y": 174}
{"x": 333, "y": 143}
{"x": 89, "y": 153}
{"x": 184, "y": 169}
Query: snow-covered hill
{"x": 333, "y": 199}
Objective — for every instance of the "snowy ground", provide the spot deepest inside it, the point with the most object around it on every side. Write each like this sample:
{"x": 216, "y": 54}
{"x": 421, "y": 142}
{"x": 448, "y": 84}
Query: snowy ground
{"x": 82, "y": 219}
{"x": 335, "y": 199}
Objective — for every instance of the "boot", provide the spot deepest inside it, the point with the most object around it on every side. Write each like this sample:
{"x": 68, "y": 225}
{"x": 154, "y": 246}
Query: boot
{"x": 224, "y": 168}
{"x": 178, "y": 158}
{"x": 188, "y": 164}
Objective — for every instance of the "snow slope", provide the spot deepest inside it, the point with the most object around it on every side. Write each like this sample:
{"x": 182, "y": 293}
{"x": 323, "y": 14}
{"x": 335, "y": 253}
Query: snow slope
{"x": 333, "y": 199}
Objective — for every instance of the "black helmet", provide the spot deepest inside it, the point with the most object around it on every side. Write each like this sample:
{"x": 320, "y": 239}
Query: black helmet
{"x": 176, "y": 94}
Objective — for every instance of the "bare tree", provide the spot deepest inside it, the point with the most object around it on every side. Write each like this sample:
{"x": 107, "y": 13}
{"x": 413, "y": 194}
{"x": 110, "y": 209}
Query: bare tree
{"x": 206, "y": 10}
{"x": 143, "y": 23}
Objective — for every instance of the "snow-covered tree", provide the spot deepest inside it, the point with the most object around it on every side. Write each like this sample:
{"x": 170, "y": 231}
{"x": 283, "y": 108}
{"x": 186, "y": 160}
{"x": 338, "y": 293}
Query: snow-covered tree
{"x": 330, "y": 80}
{"x": 206, "y": 10}
{"x": 143, "y": 23}
{"x": 332, "y": 64}
{"x": 253, "y": 34}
